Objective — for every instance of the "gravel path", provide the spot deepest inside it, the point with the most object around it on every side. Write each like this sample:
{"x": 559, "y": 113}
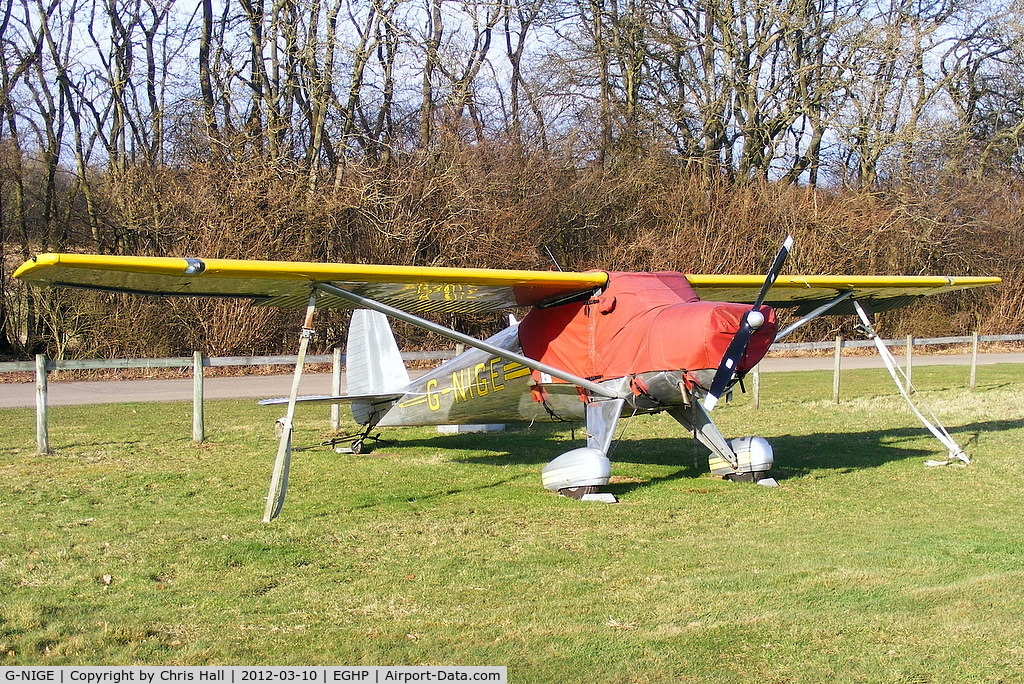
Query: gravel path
{"x": 61, "y": 393}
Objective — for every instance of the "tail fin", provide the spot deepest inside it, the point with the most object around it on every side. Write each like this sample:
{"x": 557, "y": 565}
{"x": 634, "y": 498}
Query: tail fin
{"x": 373, "y": 363}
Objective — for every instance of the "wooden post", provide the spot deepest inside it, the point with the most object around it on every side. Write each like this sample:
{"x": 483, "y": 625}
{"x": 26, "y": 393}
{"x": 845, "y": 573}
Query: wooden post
{"x": 198, "y": 422}
{"x": 910, "y": 362}
{"x": 974, "y": 360}
{"x": 756, "y": 398}
{"x": 835, "y": 369}
{"x": 336, "y": 390}
{"x": 42, "y": 434}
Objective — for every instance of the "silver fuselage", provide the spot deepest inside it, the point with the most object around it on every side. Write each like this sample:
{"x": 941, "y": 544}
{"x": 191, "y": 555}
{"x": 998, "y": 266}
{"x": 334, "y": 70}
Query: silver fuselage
{"x": 478, "y": 387}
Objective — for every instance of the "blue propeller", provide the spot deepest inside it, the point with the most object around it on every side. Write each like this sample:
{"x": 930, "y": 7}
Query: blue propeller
{"x": 752, "y": 320}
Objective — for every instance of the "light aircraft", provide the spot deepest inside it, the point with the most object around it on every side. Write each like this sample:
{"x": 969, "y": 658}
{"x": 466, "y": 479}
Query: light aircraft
{"x": 594, "y": 346}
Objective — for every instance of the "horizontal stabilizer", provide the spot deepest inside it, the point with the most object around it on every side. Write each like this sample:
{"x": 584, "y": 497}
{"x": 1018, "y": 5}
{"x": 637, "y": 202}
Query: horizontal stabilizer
{"x": 337, "y": 399}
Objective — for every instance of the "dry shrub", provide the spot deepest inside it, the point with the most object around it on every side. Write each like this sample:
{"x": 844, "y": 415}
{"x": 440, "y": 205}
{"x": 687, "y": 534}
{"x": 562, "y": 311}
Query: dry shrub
{"x": 496, "y": 206}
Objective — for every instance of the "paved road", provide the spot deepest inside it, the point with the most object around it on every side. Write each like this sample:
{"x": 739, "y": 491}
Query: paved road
{"x": 62, "y": 393}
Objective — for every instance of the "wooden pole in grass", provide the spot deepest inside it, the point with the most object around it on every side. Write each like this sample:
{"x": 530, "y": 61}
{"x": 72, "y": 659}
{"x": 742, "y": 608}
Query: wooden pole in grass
{"x": 910, "y": 362}
{"x": 835, "y": 369}
{"x": 336, "y": 390}
{"x": 756, "y": 398}
{"x": 42, "y": 434}
{"x": 198, "y": 422}
{"x": 974, "y": 360}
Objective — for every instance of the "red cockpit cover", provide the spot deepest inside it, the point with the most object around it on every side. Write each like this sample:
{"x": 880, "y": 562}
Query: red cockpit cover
{"x": 641, "y": 322}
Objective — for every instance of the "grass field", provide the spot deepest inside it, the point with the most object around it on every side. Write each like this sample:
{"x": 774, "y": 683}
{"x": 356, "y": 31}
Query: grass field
{"x": 130, "y": 545}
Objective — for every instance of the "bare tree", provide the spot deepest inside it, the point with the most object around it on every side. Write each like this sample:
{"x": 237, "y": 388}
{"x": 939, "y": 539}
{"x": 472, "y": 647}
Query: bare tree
{"x": 897, "y": 85}
{"x": 462, "y": 69}
{"x": 983, "y": 76}
{"x": 375, "y": 35}
{"x": 820, "y": 78}
{"x": 519, "y": 22}
{"x": 433, "y": 32}
{"x": 19, "y": 52}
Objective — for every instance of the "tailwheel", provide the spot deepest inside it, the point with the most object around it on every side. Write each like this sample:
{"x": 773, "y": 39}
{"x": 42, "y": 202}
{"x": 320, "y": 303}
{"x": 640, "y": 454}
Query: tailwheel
{"x": 356, "y": 442}
{"x": 577, "y": 492}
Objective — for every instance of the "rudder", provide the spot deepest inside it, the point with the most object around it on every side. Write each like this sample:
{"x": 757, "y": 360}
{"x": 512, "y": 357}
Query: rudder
{"x": 373, "y": 363}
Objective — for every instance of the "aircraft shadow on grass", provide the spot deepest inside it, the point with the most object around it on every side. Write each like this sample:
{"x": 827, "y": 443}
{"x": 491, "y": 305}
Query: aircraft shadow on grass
{"x": 796, "y": 456}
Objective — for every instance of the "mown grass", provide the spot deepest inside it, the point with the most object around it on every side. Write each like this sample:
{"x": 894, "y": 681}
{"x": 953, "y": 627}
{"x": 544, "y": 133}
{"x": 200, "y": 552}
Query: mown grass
{"x": 129, "y": 544}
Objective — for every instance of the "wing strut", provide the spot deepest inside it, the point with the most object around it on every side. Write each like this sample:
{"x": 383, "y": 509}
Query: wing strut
{"x": 955, "y": 452}
{"x": 821, "y": 310}
{"x": 282, "y": 464}
{"x": 467, "y": 340}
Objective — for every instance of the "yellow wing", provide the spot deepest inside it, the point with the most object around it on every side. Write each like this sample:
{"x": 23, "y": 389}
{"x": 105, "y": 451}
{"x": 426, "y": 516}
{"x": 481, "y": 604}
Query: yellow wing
{"x": 287, "y": 284}
{"x": 435, "y": 289}
{"x": 876, "y": 293}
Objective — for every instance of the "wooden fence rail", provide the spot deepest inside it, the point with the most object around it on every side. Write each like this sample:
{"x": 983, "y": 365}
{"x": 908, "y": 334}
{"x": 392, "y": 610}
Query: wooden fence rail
{"x": 43, "y": 366}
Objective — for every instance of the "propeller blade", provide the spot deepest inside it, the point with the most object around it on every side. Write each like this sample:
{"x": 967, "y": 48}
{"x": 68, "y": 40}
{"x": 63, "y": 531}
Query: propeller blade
{"x": 728, "y": 366}
{"x": 752, "y": 320}
{"x": 773, "y": 272}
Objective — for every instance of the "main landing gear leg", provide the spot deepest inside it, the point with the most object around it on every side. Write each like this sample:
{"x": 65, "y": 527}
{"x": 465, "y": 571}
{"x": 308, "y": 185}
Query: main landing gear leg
{"x": 723, "y": 460}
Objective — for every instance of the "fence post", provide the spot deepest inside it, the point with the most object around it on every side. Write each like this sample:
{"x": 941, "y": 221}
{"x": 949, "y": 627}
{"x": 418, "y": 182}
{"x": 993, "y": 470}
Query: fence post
{"x": 42, "y": 434}
{"x": 756, "y": 398}
{"x": 336, "y": 390}
{"x": 198, "y": 422}
{"x": 910, "y": 362}
{"x": 835, "y": 369}
{"x": 974, "y": 360}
